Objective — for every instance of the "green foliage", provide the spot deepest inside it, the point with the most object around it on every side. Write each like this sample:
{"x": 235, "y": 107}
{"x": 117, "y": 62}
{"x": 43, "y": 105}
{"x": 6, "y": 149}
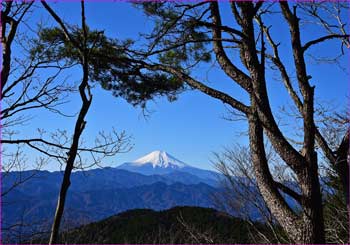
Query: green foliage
{"x": 181, "y": 40}
{"x": 110, "y": 64}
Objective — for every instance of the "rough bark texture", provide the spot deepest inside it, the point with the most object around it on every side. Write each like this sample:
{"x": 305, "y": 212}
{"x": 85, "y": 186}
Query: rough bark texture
{"x": 311, "y": 229}
{"x": 307, "y": 227}
{"x": 267, "y": 187}
{"x": 312, "y": 216}
{"x": 304, "y": 227}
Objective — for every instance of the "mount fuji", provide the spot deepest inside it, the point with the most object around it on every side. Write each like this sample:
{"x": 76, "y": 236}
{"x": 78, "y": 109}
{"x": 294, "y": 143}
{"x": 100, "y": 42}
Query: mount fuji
{"x": 162, "y": 163}
{"x": 158, "y": 181}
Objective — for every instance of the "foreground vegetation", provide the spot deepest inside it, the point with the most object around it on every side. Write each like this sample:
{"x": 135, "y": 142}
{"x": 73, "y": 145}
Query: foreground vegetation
{"x": 176, "y": 225}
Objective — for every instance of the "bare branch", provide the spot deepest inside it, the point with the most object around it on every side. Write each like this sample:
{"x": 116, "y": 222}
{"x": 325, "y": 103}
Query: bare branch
{"x": 62, "y": 25}
{"x": 289, "y": 191}
{"x": 230, "y": 69}
{"x": 322, "y": 39}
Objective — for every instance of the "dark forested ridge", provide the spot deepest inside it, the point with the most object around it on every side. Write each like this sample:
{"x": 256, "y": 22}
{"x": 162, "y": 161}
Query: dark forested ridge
{"x": 176, "y": 225}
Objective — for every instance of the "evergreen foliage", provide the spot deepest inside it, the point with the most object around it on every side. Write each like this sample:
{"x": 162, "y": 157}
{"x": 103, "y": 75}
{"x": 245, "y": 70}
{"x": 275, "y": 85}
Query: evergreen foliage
{"x": 110, "y": 63}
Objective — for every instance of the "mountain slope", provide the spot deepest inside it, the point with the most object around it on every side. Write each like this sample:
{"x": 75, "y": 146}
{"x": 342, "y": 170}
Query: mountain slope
{"x": 176, "y": 225}
{"x": 160, "y": 159}
{"x": 93, "y": 205}
{"x": 98, "y": 193}
{"x": 156, "y": 162}
{"x": 161, "y": 162}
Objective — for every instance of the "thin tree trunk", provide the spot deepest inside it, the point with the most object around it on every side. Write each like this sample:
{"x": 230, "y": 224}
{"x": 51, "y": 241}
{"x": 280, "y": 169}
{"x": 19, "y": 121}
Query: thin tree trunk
{"x": 86, "y": 98}
{"x": 79, "y": 127}
{"x": 60, "y": 206}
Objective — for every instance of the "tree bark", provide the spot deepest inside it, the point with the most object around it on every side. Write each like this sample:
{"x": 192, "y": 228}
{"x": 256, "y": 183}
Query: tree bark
{"x": 86, "y": 97}
{"x": 306, "y": 226}
{"x": 310, "y": 227}
{"x": 312, "y": 216}
{"x": 275, "y": 202}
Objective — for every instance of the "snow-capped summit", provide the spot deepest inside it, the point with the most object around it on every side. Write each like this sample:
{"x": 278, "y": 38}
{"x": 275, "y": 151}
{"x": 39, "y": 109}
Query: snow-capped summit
{"x": 160, "y": 159}
{"x": 161, "y": 162}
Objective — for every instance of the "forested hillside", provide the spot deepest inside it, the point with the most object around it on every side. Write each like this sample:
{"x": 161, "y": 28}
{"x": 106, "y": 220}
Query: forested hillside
{"x": 175, "y": 225}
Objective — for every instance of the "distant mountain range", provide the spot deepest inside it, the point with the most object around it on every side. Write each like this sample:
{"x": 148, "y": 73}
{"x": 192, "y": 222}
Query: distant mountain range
{"x": 157, "y": 181}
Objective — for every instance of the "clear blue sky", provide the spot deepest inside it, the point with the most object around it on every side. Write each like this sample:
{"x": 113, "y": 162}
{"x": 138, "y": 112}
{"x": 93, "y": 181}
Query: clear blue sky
{"x": 191, "y": 128}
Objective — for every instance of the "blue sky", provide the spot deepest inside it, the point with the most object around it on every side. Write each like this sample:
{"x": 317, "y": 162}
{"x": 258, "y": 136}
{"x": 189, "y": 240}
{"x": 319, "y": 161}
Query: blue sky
{"x": 191, "y": 128}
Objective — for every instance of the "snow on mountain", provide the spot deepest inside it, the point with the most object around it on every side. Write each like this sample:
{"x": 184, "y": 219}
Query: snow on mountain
{"x": 161, "y": 163}
{"x": 160, "y": 159}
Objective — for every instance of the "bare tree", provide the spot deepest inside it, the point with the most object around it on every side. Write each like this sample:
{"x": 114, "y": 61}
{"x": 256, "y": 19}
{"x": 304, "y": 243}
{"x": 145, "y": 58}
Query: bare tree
{"x": 84, "y": 51}
{"x": 24, "y": 89}
{"x": 21, "y": 88}
{"x": 106, "y": 61}
{"x": 181, "y": 27}
{"x": 23, "y": 92}
{"x": 241, "y": 196}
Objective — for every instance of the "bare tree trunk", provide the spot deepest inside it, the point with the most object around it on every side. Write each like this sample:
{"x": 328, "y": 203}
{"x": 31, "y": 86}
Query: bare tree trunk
{"x": 275, "y": 202}
{"x": 79, "y": 127}
{"x": 6, "y": 40}
{"x": 306, "y": 226}
{"x": 309, "y": 228}
{"x": 86, "y": 98}
{"x": 312, "y": 216}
